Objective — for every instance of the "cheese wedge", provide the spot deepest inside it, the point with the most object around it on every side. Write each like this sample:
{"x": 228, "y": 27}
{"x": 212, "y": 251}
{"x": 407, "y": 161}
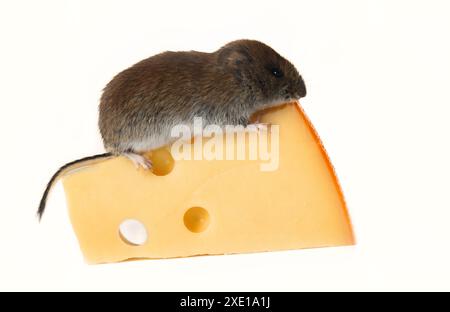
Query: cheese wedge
{"x": 207, "y": 207}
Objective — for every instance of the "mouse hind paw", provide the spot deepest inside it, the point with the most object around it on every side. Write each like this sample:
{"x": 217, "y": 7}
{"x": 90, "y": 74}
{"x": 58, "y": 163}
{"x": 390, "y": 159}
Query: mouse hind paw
{"x": 139, "y": 160}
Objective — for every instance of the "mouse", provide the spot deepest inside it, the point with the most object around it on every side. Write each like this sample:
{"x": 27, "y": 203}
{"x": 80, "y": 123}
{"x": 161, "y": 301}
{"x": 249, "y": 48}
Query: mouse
{"x": 141, "y": 104}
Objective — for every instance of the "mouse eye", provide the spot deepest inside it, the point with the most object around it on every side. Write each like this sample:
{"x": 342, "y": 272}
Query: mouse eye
{"x": 277, "y": 72}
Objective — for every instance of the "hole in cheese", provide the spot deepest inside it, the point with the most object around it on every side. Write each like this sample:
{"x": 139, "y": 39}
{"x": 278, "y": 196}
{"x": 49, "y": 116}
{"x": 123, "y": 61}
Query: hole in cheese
{"x": 196, "y": 219}
{"x": 133, "y": 232}
{"x": 162, "y": 161}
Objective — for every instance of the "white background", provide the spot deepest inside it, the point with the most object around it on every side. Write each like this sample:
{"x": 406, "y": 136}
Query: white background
{"x": 378, "y": 78}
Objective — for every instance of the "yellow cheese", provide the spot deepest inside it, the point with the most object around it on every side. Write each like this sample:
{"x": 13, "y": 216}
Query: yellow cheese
{"x": 206, "y": 207}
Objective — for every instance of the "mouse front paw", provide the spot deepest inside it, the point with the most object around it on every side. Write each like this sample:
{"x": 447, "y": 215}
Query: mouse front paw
{"x": 256, "y": 127}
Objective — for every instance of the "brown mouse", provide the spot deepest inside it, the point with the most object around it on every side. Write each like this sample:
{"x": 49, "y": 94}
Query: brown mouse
{"x": 141, "y": 104}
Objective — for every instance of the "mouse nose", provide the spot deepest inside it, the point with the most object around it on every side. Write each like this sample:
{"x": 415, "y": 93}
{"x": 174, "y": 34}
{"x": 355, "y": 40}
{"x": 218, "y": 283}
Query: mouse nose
{"x": 301, "y": 89}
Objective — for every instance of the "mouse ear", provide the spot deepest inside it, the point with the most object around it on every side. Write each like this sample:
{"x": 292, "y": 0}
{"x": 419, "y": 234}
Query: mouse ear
{"x": 234, "y": 58}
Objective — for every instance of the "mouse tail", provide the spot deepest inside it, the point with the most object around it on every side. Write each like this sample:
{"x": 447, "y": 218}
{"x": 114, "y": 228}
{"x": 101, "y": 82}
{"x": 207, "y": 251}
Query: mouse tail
{"x": 82, "y": 162}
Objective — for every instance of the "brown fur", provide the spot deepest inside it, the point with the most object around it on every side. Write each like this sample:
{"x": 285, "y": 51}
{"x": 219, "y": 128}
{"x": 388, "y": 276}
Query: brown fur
{"x": 141, "y": 104}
